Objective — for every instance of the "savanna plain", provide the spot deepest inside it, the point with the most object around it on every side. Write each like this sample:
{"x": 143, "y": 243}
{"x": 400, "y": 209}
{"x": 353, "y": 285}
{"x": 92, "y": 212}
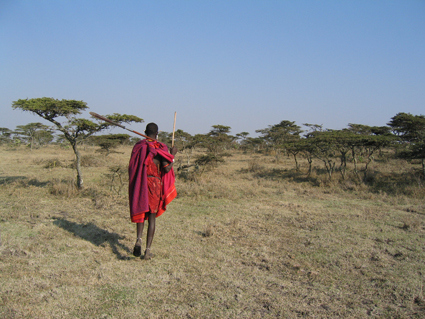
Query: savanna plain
{"x": 251, "y": 238}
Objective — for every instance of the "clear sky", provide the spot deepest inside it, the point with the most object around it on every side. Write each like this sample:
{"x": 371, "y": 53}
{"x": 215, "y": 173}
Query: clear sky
{"x": 241, "y": 63}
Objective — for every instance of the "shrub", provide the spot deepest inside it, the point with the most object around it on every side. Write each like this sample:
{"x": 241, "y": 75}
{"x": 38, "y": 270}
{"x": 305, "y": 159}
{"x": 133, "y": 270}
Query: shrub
{"x": 66, "y": 188}
{"x": 52, "y": 163}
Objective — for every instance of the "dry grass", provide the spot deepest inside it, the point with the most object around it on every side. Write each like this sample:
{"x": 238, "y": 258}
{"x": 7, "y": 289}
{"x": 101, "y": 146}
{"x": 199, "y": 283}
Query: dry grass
{"x": 250, "y": 239}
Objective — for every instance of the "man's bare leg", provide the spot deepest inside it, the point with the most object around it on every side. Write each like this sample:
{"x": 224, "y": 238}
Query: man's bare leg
{"x": 137, "y": 251}
{"x": 151, "y": 233}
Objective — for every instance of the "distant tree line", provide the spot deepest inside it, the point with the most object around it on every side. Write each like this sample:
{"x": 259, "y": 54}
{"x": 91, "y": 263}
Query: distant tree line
{"x": 32, "y": 134}
{"x": 357, "y": 144}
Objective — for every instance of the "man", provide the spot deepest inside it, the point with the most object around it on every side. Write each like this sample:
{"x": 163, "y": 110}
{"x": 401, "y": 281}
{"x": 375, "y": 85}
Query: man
{"x": 151, "y": 185}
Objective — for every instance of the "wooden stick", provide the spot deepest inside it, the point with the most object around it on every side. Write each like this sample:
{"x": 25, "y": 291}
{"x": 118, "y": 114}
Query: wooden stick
{"x": 100, "y": 117}
{"x": 174, "y": 129}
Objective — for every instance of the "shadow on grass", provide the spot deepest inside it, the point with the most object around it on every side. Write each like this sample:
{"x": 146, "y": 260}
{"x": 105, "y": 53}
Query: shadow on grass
{"x": 22, "y": 181}
{"x": 291, "y": 174}
{"x": 406, "y": 183}
{"x": 94, "y": 234}
{"x": 409, "y": 183}
{"x": 10, "y": 179}
{"x": 391, "y": 183}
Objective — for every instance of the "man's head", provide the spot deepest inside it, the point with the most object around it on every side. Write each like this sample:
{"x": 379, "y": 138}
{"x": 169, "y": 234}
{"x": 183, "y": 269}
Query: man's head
{"x": 151, "y": 130}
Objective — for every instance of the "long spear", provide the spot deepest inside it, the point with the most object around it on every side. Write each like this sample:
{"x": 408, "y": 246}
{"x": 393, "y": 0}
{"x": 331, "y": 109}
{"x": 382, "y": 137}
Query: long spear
{"x": 100, "y": 117}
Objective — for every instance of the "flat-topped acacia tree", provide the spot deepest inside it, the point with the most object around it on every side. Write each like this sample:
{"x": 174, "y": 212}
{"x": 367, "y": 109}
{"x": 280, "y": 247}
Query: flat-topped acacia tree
{"x": 32, "y": 132}
{"x": 74, "y": 129}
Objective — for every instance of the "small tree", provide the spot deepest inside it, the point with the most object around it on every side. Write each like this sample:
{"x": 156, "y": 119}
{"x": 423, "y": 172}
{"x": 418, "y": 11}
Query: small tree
{"x": 34, "y": 133}
{"x": 215, "y": 143}
{"x": 281, "y": 135}
{"x": 411, "y": 131}
{"x": 322, "y": 145}
{"x": 365, "y": 141}
{"x": 294, "y": 148}
{"x": 308, "y": 149}
{"x": 242, "y": 136}
{"x": 308, "y": 146}
{"x": 219, "y": 139}
{"x": 5, "y": 135}
{"x": 74, "y": 130}
{"x": 242, "y": 140}
{"x": 184, "y": 142}
{"x": 110, "y": 141}
{"x": 254, "y": 143}
{"x": 44, "y": 137}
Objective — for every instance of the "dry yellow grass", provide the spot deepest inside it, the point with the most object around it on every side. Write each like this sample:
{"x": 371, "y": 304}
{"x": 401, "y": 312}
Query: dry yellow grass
{"x": 244, "y": 241}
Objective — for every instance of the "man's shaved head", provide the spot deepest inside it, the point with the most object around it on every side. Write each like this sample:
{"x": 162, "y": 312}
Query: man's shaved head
{"x": 151, "y": 129}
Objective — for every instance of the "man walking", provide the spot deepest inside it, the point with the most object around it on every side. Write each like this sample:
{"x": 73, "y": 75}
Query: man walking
{"x": 151, "y": 185}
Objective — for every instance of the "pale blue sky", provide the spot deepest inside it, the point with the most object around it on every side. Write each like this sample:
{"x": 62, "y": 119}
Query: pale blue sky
{"x": 244, "y": 64}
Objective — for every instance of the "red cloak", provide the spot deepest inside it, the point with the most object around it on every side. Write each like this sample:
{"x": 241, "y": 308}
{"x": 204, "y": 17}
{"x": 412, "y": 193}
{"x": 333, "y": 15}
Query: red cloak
{"x": 138, "y": 181}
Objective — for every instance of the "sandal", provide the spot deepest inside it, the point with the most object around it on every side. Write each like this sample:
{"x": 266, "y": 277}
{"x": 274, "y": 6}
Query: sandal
{"x": 137, "y": 250}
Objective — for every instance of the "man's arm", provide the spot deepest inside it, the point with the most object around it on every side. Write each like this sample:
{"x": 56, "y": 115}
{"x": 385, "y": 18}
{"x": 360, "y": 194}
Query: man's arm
{"x": 166, "y": 165}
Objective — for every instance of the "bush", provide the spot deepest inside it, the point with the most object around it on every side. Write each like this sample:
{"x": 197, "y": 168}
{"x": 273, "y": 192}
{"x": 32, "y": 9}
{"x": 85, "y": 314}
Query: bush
{"x": 254, "y": 166}
{"x": 53, "y": 163}
{"x": 66, "y": 188}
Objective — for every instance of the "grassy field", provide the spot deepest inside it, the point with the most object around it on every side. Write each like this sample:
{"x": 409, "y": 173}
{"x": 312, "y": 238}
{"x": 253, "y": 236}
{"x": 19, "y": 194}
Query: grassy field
{"x": 250, "y": 239}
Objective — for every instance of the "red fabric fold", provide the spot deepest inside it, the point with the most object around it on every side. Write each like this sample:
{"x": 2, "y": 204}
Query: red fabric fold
{"x": 138, "y": 180}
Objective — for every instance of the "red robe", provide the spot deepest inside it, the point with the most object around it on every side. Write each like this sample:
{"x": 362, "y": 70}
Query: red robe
{"x": 138, "y": 191}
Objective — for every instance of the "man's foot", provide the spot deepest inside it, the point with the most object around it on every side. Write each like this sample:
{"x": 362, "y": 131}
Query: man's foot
{"x": 137, "y": 250}
{"x": 148, "y": 254}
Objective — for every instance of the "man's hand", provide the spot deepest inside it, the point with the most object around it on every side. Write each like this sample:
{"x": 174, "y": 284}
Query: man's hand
{"x": 173, "y": 150}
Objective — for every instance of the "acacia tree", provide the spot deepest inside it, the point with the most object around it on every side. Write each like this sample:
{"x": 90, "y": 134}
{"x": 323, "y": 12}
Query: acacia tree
{"x": 307, "y": 145}
{"x": 219, "y": 140}
{"x": 254, "y": 143}
{"x": 110, "y": 141}
{"x": 74, "y": 129}
{"x": 184, "y": 142}
{"x": 5, "y": 135}
{"x": 242, "y": 136}
{"x": 216, "y": 142}
{"x": 365, "y": 141}
{"x": 34, "y": 132}
{"x": 281, "y": 136}
{"x": 411, "y": 130}
{"x": 322, "y": 145}
{"x": 308, "y": 149}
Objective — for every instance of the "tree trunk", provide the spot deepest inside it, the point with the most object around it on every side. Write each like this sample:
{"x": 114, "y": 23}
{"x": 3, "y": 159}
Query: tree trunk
{"x": 310, "y": 163}
{"x": 297, "y": 166}
{"x": 365, "y": 169}
{"x": 368, "y": 161}
{"x": 353, "y": 153}
{"x": 78, "y": 166}
{"x": 330, "y": 166}
{"x": 343, "y": 164}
